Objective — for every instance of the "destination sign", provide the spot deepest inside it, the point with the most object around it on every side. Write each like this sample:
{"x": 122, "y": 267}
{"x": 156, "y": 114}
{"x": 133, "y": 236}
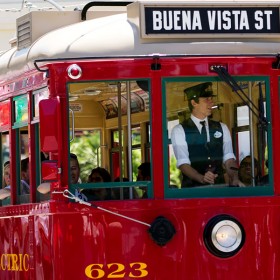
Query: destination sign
{"x": 226, "y": 20}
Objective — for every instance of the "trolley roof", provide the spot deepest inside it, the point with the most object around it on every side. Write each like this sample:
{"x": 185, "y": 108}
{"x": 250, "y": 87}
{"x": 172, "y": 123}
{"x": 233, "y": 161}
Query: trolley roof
{"x": 151, "y": 27}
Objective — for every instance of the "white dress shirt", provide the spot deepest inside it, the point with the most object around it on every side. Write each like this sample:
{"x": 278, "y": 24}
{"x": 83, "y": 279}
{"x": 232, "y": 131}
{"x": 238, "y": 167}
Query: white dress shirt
{"x": 180, "y": 146}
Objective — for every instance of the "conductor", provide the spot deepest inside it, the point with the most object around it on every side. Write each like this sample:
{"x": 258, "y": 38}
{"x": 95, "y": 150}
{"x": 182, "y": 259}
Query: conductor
{"x": 203, "y": 147}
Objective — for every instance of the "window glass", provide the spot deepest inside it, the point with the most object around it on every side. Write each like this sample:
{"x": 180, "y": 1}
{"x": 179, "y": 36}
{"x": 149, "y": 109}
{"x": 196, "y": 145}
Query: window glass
{"x": 21, "y": 109}
{"x": 4, "y": 113}
{"x": 5, "y": 160}
{"x": 109, "y": 121}
{"x": 86, "y": 145}
{"x": 23, "y": 167}
{"x": 5, "y": 146}
{"x": 136, "y": 135}
{"x": 38, "y": 95}
{"x": 236, "y": 135}
{"x": 242, "y": 115}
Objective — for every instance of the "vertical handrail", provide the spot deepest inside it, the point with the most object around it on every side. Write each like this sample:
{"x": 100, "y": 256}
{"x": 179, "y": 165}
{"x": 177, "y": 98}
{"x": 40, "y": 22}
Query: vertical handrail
{"x": 73, "y": 125}
{"x": 119, "y": 86}
{"x": 129, "y": 142}
{"x": 251, "y": 128}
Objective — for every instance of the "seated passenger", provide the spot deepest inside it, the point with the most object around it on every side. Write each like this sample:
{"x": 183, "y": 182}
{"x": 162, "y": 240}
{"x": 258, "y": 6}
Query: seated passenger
{"x": 25, "y": 188}
{"x": 245, "y": 171}
{"x": 5, "y": 191}
{"x": 144, "y": 174}
{"x": 6, "y": 175}
{"x": 74, "y": 175}
{"x": 116, "y": 192}
{"x": 98, "y": 175}
{"x": 265, "y": 179}
{"x": 201, "y": 145}
{"x": 74, "y": 169}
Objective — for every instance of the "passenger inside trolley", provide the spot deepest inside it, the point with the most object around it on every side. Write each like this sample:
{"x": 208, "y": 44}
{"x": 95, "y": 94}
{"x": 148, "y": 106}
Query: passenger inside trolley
{"x": 98, "y": 175}
{"x": 248, "y": 171}
{"x": 144, "y": 174}
{"x": 5, "y": 191}
{"x": 6, "y": 175}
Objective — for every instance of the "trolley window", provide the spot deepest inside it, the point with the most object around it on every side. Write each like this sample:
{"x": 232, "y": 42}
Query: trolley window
{"x": 38, "y": 95}
{"x": 244, "y": 117}
{"x": 20, "y": 110}
{"x": 108, "y": 135}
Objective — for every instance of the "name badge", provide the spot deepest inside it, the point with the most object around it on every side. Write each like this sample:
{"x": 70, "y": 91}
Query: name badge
{"x": 218, "y": 134}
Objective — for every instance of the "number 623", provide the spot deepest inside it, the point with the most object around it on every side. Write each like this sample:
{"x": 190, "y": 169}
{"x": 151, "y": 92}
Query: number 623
{"x": 116, "y": 270}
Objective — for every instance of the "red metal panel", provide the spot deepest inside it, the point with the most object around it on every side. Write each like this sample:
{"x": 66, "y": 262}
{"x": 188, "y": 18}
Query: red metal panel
{"x": 49, "y": 117}
{"x": 49, "y": 170}
{"x": 77, "y": 242}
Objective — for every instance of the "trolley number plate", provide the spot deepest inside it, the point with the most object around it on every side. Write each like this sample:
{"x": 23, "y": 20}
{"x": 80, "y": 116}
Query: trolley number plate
{"x": 116, "y": 270}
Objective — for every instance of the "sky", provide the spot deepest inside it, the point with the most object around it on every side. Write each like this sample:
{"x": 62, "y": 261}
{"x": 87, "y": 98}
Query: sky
{"x": 10, "y": 10}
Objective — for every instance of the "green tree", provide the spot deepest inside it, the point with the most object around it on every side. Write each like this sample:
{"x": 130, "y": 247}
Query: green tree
{"x": 174, "y": 172}
{"x": 86, "y": 147}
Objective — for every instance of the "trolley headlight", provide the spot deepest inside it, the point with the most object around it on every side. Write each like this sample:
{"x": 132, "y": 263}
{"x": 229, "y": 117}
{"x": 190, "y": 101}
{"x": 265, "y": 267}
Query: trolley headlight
{"x": 224, "y": 236}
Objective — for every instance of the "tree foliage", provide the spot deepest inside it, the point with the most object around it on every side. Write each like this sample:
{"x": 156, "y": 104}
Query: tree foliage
{"x": 86, "y": 147}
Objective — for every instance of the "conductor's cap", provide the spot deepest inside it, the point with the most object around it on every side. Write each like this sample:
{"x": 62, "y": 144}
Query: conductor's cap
{"x": 200, "y": 90}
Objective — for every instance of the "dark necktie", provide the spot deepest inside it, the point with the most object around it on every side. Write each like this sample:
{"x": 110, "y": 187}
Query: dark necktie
{"x": 203, "y": 132}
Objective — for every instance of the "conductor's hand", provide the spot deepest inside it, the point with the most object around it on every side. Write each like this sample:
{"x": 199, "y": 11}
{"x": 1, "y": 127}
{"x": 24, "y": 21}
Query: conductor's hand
{"x": 209, "y": 177}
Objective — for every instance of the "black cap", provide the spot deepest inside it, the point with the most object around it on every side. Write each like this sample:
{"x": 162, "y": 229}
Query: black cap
{"x": 200, "y": 90}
